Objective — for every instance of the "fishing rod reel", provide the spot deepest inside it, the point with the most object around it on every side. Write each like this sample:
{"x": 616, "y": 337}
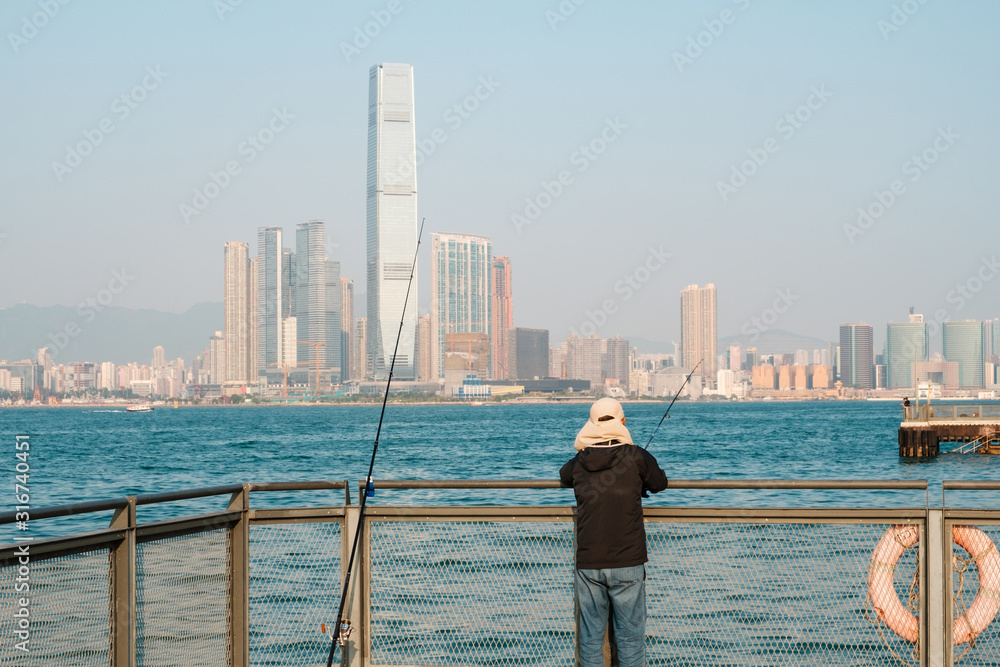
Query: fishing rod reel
{"x": 341, "y": 637}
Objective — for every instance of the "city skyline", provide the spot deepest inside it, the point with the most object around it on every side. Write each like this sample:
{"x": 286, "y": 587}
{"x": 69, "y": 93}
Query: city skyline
{"x": 844, "y": 149}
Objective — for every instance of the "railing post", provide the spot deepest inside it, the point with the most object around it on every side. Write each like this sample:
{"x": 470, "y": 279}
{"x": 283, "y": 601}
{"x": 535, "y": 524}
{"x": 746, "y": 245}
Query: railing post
{"x": 122, "y": 563}
{"x": 239, "y": 596}
{"x": 938, "y": 578}
{"x": 357, "y": 651}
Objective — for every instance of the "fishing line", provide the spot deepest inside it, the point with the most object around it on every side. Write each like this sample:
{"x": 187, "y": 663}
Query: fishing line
{"x": 666, "y": 415}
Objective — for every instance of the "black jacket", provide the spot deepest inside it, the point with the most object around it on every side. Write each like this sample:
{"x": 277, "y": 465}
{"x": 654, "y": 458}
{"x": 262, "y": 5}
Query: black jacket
{"x": 608, "y": 483}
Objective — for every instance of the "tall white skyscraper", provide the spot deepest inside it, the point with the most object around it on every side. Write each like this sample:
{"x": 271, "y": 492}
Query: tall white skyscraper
{"x": 310, "y": 290}
{"x": 391, "y": 218}
{"x": 461, "y": 268}
{"x": 698, "y": 329}
{"x": 237, "y": 312}
{"x": 270, "y": 309}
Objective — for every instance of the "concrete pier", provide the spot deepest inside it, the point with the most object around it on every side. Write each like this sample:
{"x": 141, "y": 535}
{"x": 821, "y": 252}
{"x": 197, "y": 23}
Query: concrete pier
{"x": 924, "y": 427}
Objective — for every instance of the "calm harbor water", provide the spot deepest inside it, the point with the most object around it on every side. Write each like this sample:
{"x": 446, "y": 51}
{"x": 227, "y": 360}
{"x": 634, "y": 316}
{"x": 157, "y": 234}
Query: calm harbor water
{"x": 93, "y": 453}
{"x": 718, "y": 593}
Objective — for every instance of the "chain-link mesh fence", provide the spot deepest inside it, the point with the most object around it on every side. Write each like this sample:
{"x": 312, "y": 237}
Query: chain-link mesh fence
{"x": 472, "y": 592}
{"x": 70, "y": 611}
{"x": 294, "y": 587}
{"x": 183, "y": 585}
{"x": 975, "y": 565}
{"x": 772, "y": 593}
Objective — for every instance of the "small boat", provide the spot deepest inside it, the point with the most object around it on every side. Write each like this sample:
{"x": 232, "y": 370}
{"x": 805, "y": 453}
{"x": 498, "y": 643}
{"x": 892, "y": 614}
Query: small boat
{"x": 477, "y": 403}
{"x": 139, "y": 408}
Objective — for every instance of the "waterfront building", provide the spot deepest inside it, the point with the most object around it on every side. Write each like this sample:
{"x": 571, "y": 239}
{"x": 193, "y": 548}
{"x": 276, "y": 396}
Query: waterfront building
{"x": 334, "y": 329}
{"x": 906, "y": 344}
{"x": 962, "y": 342}
{"x": 287, "y": 283}
{"x": 347, "y": 329}
{"x": 991, "y": 342}
{"x": 857, "y": 361}
{"x": 391, "y": 219}
{"x": 461, "y": 265}
{"x": 503, "y": 318}
{"x": 698, "y": 329}
{"x": 271, "y": 309}
{"x": 237, "y": 313}
{"x": 159, "y": 357}
{"x": 252, "y": 328}
{"x": 528, "y": 352}
{"x": 615, "y": 361}
{"x": 108, "y": 376}
{"x": 735, "y": 358}
{"x": 468, "y": 352}
{"x": 786, "y": 377}
{"x": 290, "y": 332}
{"x": 217, "y": 360}
{"x": 584, "y": 359}
{"x": 557, "y": 361}
{"x": 362, "y": 360}
{"x": 310, "y": 292}
{"x": 752, "y": 359}
{"x": 424, "y": 348}
{"x": 936, "y": 371}
{"x": 822, "y": 376}
{"x": 763, "y": 377}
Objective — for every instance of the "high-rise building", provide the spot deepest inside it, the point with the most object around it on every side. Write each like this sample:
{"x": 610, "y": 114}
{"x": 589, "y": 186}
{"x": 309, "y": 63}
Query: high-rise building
{"x": 857, "y": 358}
{"x": 310, "y": 291}
{"x": 735, "y": 358}
{"x": 752, "y": 359}
{"x": 698, "y": 329}
{"x": 906, "y": 344}
{"x": 253, "y": 364}
{"x": 460, "y": 290}
{"x": 528, "y": 351}
{"x": 334, "y": 330}
{"x": 159, "y": 357}
{"x": 584, "y": 360}
{"x": 287, "y": 283}
{"x": 391, "y": 219}
{"x": 963, "y": 342}
{"x": 216, "y": 362}
{"x": 237, "y": 313}
{"x": 991, "y": 338}
{"x": 424, "y": 348}
{"x": 290, "y": 334}
{"x": 503, "y": 318}
{"x": 615, "y": 363}
{"x": 347, "y": 329}
{"x": 557, "y": 361}
{"x": 271, "y": 309}
{"x": 362, "y": 363}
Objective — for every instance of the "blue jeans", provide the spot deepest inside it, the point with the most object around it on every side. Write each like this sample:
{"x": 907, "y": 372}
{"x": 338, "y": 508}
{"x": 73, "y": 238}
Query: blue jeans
{"x": 624, "y": 590}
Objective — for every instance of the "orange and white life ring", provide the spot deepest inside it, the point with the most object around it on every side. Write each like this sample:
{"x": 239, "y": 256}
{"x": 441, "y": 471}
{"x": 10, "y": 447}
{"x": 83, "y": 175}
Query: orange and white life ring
{"x": 900, "y": 620}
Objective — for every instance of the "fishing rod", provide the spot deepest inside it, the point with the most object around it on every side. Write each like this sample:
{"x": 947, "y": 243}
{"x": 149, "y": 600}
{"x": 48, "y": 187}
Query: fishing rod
{"x": 666, "y": 415}
{"x": 343, "y": 631}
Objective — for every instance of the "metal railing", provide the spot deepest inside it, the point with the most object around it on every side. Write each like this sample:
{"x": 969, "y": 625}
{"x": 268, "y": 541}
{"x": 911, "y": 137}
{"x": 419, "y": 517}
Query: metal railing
{"x": 930, "y": 413}
{"x": 467, "y": 585}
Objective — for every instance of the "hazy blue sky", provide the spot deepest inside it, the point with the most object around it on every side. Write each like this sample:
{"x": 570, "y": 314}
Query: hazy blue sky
{"x": 885, "y": 81}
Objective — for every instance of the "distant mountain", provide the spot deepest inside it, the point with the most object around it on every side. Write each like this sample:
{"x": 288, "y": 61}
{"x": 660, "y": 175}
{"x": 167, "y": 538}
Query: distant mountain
{"x": 115, "y": 334}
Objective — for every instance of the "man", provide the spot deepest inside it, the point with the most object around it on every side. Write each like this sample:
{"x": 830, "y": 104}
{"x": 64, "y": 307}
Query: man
{"x": 609, "y": 476}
